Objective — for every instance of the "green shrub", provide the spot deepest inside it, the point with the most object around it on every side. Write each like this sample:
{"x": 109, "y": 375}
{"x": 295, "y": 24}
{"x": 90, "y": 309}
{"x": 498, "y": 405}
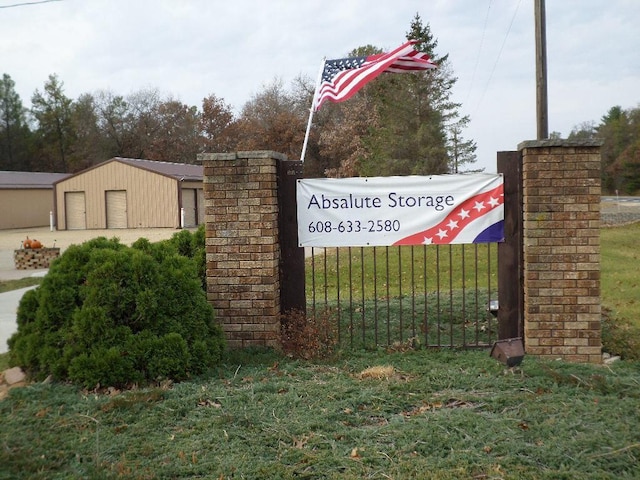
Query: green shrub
{"x": 620, "y": 337}
{"x": 110, "y": 314}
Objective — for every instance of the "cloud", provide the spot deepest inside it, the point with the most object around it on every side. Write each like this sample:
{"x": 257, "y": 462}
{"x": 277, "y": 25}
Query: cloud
{"x": 232, "y": 49}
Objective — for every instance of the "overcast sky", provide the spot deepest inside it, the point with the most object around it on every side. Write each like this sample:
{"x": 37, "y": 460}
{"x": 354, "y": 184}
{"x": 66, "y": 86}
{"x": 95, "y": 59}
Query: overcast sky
{"x": 190, "y": 49}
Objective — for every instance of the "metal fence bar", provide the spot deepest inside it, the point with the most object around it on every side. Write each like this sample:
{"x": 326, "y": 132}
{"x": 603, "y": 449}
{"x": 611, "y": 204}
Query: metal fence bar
{"x": 350, "y": 299}
{"x": 313, "y": 283}
{"x": 364, "y": 323}
{"x": 339, "y": 303}
{"x": 487, "y": 314}
{"x": 413, "y": 294}
{"x": 464, "y": 297}
{"x": 438, "y": 294}
{"x": 375, "y": 293}
{"x": 388, "y": 297}
{"x": 477, "y": 317}
{"x": 426, "y": 296}
{"x": 451, "y": 323}
{"x": 449, "y": 291}
{"x": 400, "y": 292}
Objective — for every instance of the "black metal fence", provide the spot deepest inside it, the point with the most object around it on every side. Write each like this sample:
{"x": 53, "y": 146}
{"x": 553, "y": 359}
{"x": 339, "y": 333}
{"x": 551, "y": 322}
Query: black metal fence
{"x": 434, "y": 296}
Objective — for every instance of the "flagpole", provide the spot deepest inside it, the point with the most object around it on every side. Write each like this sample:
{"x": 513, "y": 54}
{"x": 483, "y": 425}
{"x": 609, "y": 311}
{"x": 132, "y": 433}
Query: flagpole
{"x": 313, "y": 103}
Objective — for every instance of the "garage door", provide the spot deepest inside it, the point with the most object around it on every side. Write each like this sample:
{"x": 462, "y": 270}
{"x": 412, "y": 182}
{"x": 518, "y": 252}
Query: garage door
{"x": 75, "y": 212}
{"x": 189, "y": 205}
{"x": 116, "y": 208}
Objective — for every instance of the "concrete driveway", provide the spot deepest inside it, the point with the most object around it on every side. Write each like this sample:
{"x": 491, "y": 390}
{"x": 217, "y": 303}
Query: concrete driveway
{"x": 8, "y": 307}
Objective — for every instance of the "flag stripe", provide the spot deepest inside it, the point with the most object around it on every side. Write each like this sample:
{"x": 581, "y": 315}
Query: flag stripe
{"x": 343, "y": 78}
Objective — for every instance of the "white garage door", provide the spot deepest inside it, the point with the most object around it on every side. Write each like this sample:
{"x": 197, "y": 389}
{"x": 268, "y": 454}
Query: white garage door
{"x": 116, "y": 208}
{"x": 75, "y": 211}
{"x": 189, "y": 205}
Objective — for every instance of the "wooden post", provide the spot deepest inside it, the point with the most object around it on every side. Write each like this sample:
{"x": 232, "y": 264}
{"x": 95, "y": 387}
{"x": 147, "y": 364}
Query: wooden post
{"x": 510, "y": 261}
{"x": 541, "y": 71}
{"x": 292, "y": 282}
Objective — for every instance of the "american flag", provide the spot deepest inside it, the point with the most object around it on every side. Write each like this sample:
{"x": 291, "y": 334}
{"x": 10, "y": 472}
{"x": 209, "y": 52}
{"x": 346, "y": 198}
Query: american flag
{"x": 343, "y": 77}
{"x": 479, "y": 219}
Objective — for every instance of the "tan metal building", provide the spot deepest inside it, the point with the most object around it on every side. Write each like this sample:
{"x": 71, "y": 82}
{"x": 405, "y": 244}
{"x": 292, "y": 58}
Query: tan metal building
{"x": 131, "y": 193}
{"x": 26, "y": 198}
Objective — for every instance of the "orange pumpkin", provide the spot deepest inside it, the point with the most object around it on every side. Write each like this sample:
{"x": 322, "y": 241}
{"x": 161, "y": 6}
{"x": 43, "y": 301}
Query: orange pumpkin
{"x": 26, "y": 243}
{"x": 36, "y": 243}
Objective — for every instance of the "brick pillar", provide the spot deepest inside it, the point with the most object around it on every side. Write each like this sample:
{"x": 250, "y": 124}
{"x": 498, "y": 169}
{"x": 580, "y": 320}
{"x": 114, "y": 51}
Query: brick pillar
{"x": 241, "y": 210}
{"x": 561, "y": 203}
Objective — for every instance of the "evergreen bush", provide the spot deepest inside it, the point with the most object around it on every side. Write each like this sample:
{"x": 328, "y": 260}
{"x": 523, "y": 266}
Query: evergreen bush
{"x": 111, "y": 315}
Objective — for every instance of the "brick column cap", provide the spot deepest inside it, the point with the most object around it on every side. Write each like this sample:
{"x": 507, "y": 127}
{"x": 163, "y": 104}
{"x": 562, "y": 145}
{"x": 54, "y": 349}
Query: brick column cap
{"x": 559, "y": 142}
{"x": 202, "y": 157}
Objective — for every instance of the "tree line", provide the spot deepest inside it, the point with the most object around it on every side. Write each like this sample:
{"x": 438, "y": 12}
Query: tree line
{"x": 619, "y": 132}
{"x": 398, "y": 124}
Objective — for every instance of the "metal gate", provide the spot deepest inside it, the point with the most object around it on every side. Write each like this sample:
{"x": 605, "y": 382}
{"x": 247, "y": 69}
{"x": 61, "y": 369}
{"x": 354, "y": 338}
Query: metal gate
{"x": 435, "y": 295}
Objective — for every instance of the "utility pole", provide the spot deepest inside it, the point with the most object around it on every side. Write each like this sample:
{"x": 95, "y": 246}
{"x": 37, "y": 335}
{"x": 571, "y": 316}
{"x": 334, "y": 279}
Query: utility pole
{"x": 542, "y": 109}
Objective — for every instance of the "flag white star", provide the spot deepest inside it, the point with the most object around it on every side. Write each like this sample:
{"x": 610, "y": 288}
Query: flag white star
{"x": 464, "y": 213}
{"x": 479, "y": 206}
{"x": 427, "y": 241}
{"x": 442, "y": 233}
{"x": 494, "y": 202}
{"x": 452, "y": 224}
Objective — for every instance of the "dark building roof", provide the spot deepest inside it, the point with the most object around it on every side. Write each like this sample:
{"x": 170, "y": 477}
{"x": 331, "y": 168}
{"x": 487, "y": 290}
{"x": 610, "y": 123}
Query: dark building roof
{"x": 180, "y": 171}
{"x": 26, "y": 180}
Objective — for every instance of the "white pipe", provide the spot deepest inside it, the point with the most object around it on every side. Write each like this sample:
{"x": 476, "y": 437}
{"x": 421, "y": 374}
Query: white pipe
{"x": 51, "y": 221}
{"x": 311, "y": 110}
{"x": 182, "y": 217}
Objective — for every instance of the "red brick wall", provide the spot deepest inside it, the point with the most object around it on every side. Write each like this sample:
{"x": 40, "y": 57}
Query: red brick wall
{"x": 561, "y": 203}
{"x": 241, "y": 207}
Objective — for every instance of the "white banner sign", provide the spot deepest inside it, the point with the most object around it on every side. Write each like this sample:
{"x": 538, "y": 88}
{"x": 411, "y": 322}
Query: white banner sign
{"x": 412, "y": 210}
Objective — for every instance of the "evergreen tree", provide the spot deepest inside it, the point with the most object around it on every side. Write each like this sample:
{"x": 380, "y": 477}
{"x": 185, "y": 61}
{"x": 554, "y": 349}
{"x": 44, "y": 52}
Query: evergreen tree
{"x": 56, "y": 134}
{"x": 435, "y": 87}
{"x": 14, "y": 131}
{"x": 461, "y": 152}
{"x": 420, "y": 127}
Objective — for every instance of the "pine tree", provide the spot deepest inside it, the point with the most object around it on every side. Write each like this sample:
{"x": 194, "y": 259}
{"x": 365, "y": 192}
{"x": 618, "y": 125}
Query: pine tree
{"x": 56, "y": 133}
{"x": 14, "y": 131}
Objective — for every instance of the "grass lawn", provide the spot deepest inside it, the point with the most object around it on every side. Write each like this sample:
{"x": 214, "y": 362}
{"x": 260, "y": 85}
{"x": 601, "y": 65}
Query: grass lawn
{"x": 8, "y": 285}
{"x": 379, "y": 414}
{"x": 419, "y": 414}
{"x": 620, "y": 274}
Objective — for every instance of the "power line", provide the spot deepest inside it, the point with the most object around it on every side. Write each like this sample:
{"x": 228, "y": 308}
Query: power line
{"x": 28, "y": 3}
{"x": 475, "y": 67}
{"x": 486, "y": 87}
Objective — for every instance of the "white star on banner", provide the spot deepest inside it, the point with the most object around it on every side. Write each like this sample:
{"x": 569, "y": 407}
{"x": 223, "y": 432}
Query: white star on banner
{"x": 464, "y": 213}
{"x": 479, "y": 206}
{"x": 452, "y": 224}
{"x": 442, "y": 233}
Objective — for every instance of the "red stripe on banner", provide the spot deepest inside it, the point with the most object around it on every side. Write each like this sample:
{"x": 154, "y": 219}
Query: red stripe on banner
{"x": 460, "y": 217}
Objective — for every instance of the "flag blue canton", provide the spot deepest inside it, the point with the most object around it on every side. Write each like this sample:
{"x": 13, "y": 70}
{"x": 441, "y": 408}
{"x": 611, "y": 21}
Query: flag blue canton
{"x": 333, "y": 67}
